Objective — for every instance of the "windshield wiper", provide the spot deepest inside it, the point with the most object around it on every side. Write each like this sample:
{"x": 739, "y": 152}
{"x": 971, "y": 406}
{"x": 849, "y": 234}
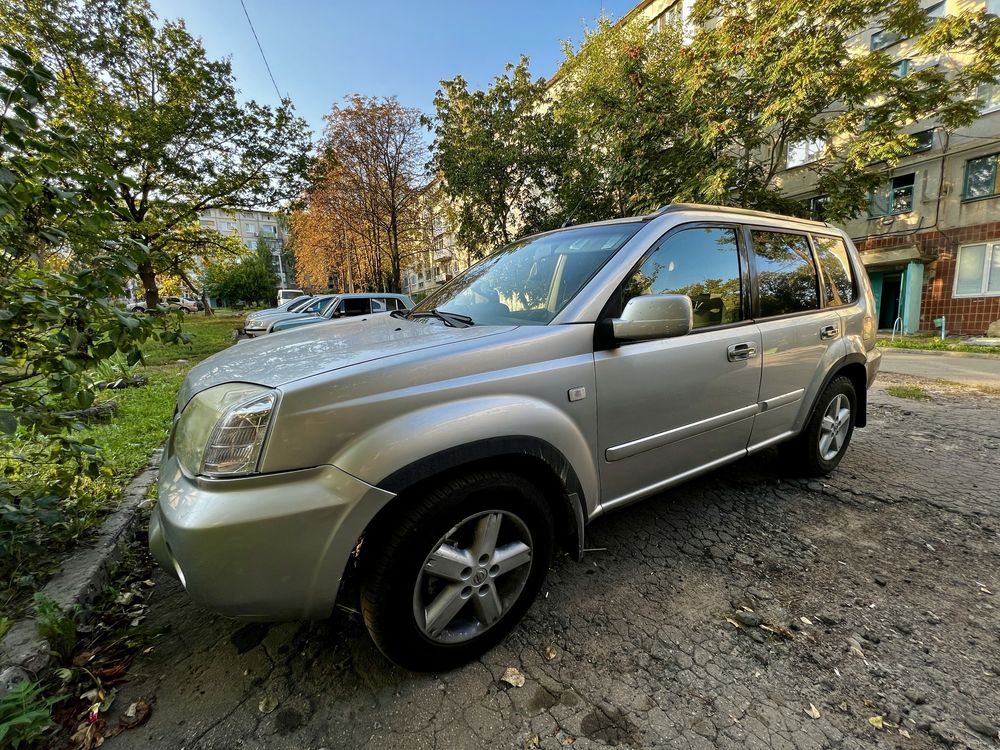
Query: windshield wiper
{"x": 449, "y": 318}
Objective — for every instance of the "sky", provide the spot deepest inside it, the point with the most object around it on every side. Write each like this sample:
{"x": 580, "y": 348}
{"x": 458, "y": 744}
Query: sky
{"x": 321, "y": 51}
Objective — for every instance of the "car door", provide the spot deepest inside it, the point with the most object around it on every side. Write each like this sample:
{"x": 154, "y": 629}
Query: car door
{"x": 802, "y": 337}
{"x": 671, "y": 407}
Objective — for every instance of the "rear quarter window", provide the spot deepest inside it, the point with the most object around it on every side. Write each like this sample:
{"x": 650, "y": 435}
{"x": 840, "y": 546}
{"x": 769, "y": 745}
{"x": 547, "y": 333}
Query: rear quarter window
{"x": 838, "y": 276}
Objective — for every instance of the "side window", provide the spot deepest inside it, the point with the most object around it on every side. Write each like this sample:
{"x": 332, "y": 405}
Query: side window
{"x": 355, "y": 306}
{"x": 378, "y": 305}
{"x": 786, "y": 276}
{"x": 704, "y": 264}
{"x": 838, "y": 279}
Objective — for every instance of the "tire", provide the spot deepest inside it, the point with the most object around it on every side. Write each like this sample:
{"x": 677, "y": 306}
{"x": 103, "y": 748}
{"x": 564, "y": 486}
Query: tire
{"x": 477, "y": 601}
{"x": 821, "y": 445}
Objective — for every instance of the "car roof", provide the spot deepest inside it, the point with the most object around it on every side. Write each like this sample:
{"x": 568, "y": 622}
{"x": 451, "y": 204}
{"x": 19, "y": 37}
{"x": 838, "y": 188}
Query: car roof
{"x": 699, "y": 208}
{"x": 367, "y": 295}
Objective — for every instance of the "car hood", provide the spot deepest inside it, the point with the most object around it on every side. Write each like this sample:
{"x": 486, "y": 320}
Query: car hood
{"x": 275, "y": 317}
{"x": 280, "y": 358}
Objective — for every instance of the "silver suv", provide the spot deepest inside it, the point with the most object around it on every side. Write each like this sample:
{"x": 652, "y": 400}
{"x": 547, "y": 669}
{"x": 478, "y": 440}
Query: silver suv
{"x": 434, "y": 457}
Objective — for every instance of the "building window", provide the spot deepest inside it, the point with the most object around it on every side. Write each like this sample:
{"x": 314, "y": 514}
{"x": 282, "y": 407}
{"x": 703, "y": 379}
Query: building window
{"x": 804, "y": 152}
{"x": 981, "y": 177}
{"x": 267, "y": 228}
{"x": 925, "y": 141}
{"x": 892, "y": 197}
{"x": 249, "y": 228}
{"x": 901, "y": 68}
{"x": 990, "y": 95}
{"x": 883, "y": 38}
{"x": 936, "y": 11}
{"x": 672, "y": 17}
{"x": 817, "y": 207}
{"x": 978, "y": 270}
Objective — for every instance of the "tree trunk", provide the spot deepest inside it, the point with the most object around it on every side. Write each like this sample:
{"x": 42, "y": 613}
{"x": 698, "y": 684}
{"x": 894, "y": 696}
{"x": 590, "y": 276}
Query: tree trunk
{"x": 202, "y": 295}
{"x": 147, "y": 275}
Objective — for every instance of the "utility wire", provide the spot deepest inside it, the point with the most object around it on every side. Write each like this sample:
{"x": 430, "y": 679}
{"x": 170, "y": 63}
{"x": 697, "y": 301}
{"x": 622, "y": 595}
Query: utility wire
{"x": 262, "y": 55}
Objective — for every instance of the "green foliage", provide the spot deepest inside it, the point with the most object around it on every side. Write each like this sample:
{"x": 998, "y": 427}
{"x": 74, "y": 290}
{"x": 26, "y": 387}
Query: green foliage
{"x": 634, "y": 120}
{"x": 56, "y": 626}
{"x": 24, "y": 716}
{"x": 147, "y": 99}
{"x": 499, "y": 151}
{"x": 250, "y": 280}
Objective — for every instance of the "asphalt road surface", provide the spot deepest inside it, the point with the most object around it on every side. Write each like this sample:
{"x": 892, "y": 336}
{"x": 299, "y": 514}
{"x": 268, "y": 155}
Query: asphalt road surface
{"x": 742, "y": 610}
{"x": 967, "y": 370}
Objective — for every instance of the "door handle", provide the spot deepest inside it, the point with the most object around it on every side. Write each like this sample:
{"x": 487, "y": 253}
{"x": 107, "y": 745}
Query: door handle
{"x": 829, "y": 332}
{"x": 737, "y": 352}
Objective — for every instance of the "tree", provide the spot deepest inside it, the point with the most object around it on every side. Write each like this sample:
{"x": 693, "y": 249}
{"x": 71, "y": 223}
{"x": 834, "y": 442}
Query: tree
{"x": 148, "y": 101}
{"x": 58, "y": 318}
{"x": 502, "y": 156}
{"x": 360, "y": 213}
{"x": 250, "y": 280}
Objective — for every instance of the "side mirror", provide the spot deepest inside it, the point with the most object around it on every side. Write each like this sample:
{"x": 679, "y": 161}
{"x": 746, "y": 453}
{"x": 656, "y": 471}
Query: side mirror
{"x": 654, "y": 316}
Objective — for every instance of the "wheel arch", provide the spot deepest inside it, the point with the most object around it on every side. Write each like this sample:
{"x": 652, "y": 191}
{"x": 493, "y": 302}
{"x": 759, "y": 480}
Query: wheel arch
{"x": 852, "y": 367}
{"x": 532, "y": 457}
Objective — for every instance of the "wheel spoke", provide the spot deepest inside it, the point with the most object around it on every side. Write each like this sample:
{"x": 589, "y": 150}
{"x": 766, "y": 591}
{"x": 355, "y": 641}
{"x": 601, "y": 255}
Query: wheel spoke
{"x": 485, "y": 542}
{"x": 443, "y": 609}
{"x": 511, "y": 556}
{"x": 486, "y": 603}
{"x": 824, "y": 443}
{"x": 450, "y": 563}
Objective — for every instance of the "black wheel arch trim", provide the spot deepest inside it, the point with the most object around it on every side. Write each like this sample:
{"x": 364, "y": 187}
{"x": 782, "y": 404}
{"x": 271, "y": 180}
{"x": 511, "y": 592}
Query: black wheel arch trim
{"x": 498, "y": 447}
{"x": 861, "y": 394}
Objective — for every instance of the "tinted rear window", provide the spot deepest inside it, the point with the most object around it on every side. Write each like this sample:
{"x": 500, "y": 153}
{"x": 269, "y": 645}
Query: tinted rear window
{"x": 838, "y": 278}
{"x": 786, "y": 275}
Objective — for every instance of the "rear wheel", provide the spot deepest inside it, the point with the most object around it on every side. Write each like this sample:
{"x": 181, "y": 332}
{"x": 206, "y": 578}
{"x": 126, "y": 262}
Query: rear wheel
{"x": 822, "y": 443}
{"x": 453, "y": 576}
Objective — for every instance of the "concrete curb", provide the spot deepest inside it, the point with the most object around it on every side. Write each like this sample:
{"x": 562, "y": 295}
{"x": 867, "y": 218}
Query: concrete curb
{"x": 23, "y": 653}
{"x": 937, "y": 353}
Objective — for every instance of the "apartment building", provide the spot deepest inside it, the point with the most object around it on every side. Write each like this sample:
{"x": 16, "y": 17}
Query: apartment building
{"x": 251, "y": 227}
{"x": 930, "y": 238}
{"x": 438, "y": 258}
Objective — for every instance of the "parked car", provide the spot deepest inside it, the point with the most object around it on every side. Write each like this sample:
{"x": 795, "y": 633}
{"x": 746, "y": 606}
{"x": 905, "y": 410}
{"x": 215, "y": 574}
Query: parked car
{"x": 291, "y": 305}
{"x": 347, "y": 306}
{"x": 286, "y": 295}
{"x": 170, "y": 303}
{"x": 436, "y": 457}
{"x": 257, "y": 324}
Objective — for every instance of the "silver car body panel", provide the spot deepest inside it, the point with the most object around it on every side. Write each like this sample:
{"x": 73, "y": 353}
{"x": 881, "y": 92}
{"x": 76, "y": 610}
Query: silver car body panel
{"x": 361, "y": 401}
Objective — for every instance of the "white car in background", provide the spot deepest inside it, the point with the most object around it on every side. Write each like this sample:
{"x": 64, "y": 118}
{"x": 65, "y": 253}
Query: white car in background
{"x": 170, "y": 303}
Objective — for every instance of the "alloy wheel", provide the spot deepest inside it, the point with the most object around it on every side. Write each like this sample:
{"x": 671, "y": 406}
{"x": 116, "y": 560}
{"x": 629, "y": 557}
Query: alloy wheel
{"x": 472, "y": 577}
{"x": 833, "y": 428}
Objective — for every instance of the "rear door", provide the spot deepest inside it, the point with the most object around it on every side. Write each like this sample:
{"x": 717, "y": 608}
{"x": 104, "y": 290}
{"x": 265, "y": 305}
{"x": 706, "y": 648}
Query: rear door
{"x": 801, "y": 335}
{"x": 670, "y": 407}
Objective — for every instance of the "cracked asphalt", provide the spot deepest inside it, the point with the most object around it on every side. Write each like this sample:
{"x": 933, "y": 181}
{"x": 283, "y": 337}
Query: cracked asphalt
{"x": 743, "y": 610}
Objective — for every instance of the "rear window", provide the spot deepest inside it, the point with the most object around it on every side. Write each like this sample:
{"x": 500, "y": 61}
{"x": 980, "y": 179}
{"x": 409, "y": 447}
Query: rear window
{"x": 838, "y": 278}
{"x": 786, "y": 275}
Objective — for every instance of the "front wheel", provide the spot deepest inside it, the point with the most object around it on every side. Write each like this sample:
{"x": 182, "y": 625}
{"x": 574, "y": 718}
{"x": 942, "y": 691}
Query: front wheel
{"x": 823, "y": 442}
{"x": 455, "y": 573}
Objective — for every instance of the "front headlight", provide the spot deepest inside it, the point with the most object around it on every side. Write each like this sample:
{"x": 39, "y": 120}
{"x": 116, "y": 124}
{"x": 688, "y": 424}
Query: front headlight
{"x": 221, "y": 431}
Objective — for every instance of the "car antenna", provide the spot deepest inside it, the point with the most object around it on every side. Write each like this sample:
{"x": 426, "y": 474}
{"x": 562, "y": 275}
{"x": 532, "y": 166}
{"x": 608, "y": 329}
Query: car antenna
{"x": 569, "y": 219}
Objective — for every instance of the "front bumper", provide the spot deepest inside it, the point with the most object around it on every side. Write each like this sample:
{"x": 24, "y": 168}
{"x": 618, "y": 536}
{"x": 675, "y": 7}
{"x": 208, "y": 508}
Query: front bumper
{"x": 269, "y": 547}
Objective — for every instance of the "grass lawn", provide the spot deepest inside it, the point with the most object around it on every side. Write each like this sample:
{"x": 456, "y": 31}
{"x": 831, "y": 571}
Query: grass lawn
{"x": 913, "y": 392}
{"x": 934, "y": 343}
{"x": 126, "y": 443}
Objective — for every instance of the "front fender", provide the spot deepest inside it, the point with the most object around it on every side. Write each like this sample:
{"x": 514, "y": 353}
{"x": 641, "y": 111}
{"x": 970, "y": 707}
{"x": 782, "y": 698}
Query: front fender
{"x": 385, "y": 455}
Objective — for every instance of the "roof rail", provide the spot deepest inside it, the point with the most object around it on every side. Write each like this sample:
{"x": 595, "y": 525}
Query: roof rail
{"x": 670, "y": 208}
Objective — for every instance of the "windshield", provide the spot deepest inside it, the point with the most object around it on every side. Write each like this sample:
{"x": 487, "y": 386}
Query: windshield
{"x": 529, "y": 281}
{"x": 296, "y": 304}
